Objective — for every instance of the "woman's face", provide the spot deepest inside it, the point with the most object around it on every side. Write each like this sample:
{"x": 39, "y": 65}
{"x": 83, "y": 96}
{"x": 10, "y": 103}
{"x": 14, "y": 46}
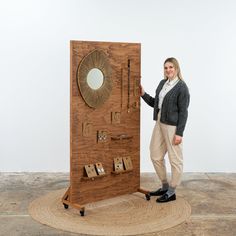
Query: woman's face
{"x": 169, "y": 70}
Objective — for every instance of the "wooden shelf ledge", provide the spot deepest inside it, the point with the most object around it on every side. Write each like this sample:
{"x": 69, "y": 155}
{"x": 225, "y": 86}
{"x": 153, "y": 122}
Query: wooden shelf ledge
{"x": 121, "y": 172}
{"x": 94, "y": 177}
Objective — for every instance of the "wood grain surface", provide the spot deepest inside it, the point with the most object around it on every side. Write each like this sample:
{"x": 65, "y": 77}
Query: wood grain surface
{"x": 84, "y": 146}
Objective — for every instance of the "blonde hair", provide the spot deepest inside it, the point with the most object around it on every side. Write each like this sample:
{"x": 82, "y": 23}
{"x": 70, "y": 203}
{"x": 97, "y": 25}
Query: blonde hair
{"x": 176, "y": 65}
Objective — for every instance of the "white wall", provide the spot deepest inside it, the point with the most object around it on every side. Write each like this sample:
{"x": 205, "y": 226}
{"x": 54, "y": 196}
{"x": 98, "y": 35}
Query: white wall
{"x": 34, "y": 74}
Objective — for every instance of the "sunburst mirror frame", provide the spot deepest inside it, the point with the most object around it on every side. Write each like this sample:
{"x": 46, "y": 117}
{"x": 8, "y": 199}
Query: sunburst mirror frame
{"x": 95, "y": 97}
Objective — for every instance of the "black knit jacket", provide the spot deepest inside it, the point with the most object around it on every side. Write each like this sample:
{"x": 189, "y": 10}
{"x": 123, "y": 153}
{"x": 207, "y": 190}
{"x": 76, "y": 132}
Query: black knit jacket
{"x": 175, "y": 104}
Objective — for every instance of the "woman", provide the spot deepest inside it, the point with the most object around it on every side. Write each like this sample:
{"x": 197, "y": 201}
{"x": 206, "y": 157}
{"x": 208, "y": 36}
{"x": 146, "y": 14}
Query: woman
{"x": 170, "y": 113}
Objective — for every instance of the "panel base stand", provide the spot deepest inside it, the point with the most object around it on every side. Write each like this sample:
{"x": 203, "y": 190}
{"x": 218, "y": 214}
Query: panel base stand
{"x": 66, "y": 202}
{"x": 147, "y": 193}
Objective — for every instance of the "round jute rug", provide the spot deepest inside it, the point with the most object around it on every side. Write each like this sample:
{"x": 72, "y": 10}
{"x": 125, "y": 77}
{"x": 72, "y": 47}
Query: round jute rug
{"x": 128, "y": 214}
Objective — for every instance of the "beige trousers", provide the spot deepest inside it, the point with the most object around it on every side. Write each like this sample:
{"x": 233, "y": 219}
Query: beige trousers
{"x": 162, "y": 143}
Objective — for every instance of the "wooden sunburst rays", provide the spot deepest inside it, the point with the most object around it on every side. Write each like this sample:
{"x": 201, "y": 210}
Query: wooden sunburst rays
{"x": 95, "y": 97}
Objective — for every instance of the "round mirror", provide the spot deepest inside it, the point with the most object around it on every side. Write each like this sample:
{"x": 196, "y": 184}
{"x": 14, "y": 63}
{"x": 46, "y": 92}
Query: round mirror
{"x": 95, "y": 78}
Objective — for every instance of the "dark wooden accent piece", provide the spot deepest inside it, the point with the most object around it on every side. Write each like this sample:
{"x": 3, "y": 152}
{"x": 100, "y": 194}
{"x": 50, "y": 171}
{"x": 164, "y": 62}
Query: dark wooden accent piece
{"x": 128, "y": 105}
{"x": 121, "y": 137}
{"x": 124, "y": 59}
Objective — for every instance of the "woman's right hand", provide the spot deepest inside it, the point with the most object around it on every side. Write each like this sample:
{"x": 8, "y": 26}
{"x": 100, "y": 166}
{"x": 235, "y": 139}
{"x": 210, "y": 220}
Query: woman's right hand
{"x": 142, "y": 92}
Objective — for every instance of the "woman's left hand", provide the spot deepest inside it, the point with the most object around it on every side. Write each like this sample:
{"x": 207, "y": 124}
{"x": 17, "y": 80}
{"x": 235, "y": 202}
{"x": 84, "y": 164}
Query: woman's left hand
{"x": 177, "y": 140}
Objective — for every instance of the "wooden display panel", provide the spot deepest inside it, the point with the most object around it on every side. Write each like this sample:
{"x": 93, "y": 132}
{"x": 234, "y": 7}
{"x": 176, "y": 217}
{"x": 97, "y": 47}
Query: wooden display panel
{"x": 118, "y": 119}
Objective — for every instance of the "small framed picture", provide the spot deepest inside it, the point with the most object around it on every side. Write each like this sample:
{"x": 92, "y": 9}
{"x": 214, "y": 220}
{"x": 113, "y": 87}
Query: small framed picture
{"x": 90, "y": 170}
{"x": 118, "y": 164}
{"x": 99, "y": 168}
{"x": 128, "y": 163}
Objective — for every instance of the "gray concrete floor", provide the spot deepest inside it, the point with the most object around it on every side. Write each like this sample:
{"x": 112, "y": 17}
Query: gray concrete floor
{"x": 212, "y": 197}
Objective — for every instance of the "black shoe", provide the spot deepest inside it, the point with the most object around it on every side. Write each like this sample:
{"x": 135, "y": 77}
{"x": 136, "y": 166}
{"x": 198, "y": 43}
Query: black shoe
{"x": 158, "y": 192}
{"x": 165, "y": 198}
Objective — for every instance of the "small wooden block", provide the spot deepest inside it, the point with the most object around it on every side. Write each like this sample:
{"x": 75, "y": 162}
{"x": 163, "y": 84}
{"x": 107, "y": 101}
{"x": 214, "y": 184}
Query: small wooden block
{"x": 128, "y": 163}
{"x": 102, "y": 136}
{"x": 100, "y": 169}
{"x": 115, "y": 117}
{"x": 90, "y": 170}
{"x": 87, "y": 129}
{"x": 118, "y": 164}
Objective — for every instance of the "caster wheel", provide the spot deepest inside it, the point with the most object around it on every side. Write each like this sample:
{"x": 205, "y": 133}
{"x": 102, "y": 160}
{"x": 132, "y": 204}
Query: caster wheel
{"x": 65, "y": 206}
{"x": 147, "y": 197}
{"x": 81, "y": 213}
